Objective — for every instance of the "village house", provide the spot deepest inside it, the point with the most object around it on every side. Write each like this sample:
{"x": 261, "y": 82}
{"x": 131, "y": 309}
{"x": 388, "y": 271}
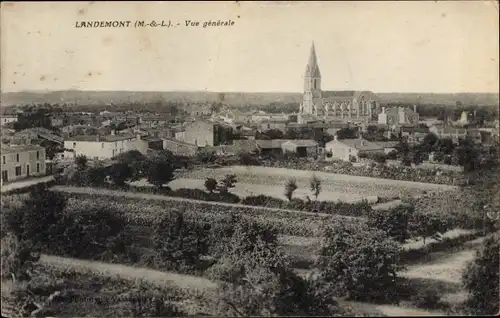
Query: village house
{"x": 5, "y": 119}
{"x": 270, "y": 147}
{"x": 149, "y": 121}
{"x": 388, "y": 146}
{"x": 456, "y": 133}
{"x": 204, "y": 133}
{"x": 19, "y": 162}
{"x": 398, "y": 116}
{"x": 99, "y": 147}
{"x": 303, "y": 148}
{"x": 350, "y": 149}
{"x": 413, "y": 134}
{"x": 179, "y": 147}
{"x": 272, "y": 124}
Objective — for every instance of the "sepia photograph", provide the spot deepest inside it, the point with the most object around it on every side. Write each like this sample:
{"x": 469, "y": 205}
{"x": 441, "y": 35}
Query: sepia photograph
{"x": 250, "y": 158}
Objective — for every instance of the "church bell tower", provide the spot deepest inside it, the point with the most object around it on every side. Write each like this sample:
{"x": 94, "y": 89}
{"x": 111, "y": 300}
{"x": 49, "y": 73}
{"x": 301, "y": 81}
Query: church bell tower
{"x": 312, "y": 84}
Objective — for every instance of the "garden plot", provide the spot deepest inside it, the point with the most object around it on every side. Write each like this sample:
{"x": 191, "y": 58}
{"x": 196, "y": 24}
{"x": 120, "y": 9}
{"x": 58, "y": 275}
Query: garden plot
{"x": 341, "y": 185}
{"x": 251, "y": 189}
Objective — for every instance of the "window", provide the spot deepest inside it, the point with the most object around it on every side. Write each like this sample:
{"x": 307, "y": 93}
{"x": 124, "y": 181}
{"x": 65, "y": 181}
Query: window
{"x": 18, "y": 170}
{"x": 102, "y": 145}
{"x": 38, "y": 155}
{"x": 3, "y": 159}
{"x": 74, "y": 145}
{"x": 17, "y": 157}
{"x": 37, "y": 167}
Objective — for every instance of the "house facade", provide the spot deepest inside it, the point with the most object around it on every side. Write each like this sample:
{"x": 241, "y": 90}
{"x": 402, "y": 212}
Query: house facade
{"x": 398, "y": 116}
{"x": 5, "y": 119}
{"x": 303, "y": 148}
{"x": 179, "y": 147}
{"x": 103, "y": 147}
{"x": 350, "y": 149}
{"x": 19, "y": 162}
{"x": 205, "y": 134}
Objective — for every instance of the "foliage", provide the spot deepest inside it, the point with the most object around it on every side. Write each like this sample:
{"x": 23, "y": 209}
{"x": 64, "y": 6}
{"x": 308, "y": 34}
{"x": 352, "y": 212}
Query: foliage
{"x": 18, "y": 258}
{"x": 428, "y": 225}
{"x": 205, "y": 156}
{"x": 248, "y": 159}
{"x": 97, "y": 176}
{"x": 290, "y": 187}
{"x": 347, "y": 133}
{"x": 136, "y": 161}
{"x": 91, "y": 233}
{"x": 393, "y": 222}
{"x": 228, "y": 182}
{"x": 357, "y": 261}
{"x": 81, "y": 162}
{"x": 37, "y": 218}
{"x": 481, "y": 278}
{"x": 257, "y": 280}
{"x": 315, "y": 186}
{"x": 179, "y": 243}
{"x": 161, "y": 169}
{"x": 120, "y": 173}
{"x": 210, "y": 184}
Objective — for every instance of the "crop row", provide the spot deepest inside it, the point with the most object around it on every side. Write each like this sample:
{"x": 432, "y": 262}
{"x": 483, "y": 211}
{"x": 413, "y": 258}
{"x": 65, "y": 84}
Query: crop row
{"x": 147, "y": 213}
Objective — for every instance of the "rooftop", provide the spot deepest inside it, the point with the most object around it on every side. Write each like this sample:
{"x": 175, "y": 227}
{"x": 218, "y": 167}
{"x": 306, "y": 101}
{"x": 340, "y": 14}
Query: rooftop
{"x": 14, "y": 149}
{"x": 359, "y": 143}
{"x": 270, "y": 144}
{"x": 302, "y": 142}
{"x": 105, "y": 138}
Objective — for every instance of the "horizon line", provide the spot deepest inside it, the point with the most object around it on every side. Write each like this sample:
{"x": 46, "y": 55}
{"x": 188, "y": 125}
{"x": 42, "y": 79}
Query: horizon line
{"x": 229, "y": 92}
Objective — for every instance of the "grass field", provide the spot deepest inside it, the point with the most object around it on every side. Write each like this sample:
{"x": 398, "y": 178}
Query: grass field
{"x": 336, "y": 185}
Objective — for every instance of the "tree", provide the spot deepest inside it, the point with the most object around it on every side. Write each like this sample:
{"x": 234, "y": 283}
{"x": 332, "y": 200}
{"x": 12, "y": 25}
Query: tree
{"x": 120, "y": 173}
{"x": 228, "y": 182}
{"x": 425, "y": 224}
{"x": 136, "y": 161}
{"x": 255, "y": 277}
{"x": 358, "y": 261}
{"x": 180, "y": 242}
{"x": 395, "y": 222}
{"x": 315, "y": 186}
{"x": 81, "y": 162}
{"x": 347, "y": 133}
{"x": 271, "y": 134}
{"x": 210, "y": 184}
{"x": 290, "y": 187}
{"x": 96, "y": 176}
{"x": 430, "y": 143}
{"x": 481, "y": 278}
{"x": 161, "y": 170}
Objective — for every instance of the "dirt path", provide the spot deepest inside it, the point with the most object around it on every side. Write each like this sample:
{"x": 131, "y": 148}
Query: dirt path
{"x": 129, "y": 272}
{"x": 116, "y": 193}
{"x": 25, "y": 183}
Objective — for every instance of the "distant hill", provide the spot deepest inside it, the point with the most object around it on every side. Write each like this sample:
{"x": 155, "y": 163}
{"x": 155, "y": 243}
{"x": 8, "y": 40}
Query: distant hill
{"x": 474, "y": 99}
{"x": 74, "y": 97}
{"x": 118, "y": 97}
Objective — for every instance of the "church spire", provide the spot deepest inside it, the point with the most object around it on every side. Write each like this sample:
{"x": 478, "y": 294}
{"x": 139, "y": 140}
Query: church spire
{"x": 312, "y": 69}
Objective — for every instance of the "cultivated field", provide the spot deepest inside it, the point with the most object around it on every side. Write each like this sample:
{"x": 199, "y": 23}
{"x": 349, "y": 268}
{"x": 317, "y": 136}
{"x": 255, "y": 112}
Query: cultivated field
{"x": 334, "y": 186}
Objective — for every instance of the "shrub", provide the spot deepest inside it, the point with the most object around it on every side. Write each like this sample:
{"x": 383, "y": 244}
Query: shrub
{"x": 393, "y": 222}
{"x": 120, "y": 173}
{"x": 210, "y": 184}
{"x": 358, "y": 261}
{"x": 227, "y": 183}
{"x": 179, "y": 243}
{"x": 161, "y": 169}
{"x": 290, "y": 187}
{"x": 315, "y": 186}
{"x": 481, "y": 278}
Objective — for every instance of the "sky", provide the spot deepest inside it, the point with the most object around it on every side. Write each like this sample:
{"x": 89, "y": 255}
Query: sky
{"x": 441, "y": 47}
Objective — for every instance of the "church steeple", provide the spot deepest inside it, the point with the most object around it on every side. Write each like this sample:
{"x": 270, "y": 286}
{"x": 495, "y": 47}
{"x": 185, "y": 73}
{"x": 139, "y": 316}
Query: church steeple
{"x": 312, "y": 68}
{"x": 312, "y": 84}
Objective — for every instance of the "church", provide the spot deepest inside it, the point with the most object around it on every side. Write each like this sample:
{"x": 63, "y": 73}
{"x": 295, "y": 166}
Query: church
{"x": 355, "y": 106}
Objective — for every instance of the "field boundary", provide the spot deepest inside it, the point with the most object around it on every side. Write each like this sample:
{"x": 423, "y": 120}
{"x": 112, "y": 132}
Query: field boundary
{"x": 158, "y": 197}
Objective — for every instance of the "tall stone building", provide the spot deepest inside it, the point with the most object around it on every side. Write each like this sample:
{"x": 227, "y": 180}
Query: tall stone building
{"x": 334, "y": 105}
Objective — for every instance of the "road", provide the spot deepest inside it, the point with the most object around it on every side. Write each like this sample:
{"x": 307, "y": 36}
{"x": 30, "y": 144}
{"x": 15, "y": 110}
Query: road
{"x": 25, "y": 183}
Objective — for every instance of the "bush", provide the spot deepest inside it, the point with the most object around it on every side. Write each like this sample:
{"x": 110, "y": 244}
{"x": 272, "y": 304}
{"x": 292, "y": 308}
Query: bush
{"x": 358, "y": 262}
{"x": 179, "y": 243}
{"x": 481, "y": 278}
{"x": 393, "y": 222}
